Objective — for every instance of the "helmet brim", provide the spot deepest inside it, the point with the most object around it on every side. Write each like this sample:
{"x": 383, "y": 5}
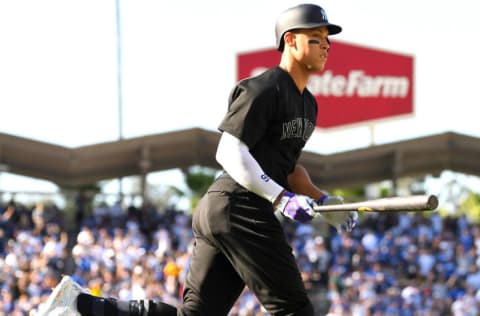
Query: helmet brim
{"x": 332, "y": 30}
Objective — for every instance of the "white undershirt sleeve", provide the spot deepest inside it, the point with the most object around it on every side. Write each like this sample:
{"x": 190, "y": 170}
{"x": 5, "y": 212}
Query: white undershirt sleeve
{"x": 235, "y": 158}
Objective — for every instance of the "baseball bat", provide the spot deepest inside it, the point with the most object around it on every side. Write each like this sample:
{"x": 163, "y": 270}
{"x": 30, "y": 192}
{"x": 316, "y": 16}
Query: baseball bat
{"x": 411, "y": 203}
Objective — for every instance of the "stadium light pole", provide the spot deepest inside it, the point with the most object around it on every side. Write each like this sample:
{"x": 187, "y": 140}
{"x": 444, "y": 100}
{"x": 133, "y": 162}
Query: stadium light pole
{"x": 119, "y": 84}
{"x": 119, "y": 69}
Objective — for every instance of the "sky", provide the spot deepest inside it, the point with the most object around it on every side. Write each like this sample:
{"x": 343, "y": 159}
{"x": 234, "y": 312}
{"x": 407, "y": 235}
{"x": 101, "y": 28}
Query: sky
{"x": 59, "y": 65}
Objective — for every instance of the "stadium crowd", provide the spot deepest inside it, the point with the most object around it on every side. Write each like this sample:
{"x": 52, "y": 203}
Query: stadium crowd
{"x": 401, "y": 264}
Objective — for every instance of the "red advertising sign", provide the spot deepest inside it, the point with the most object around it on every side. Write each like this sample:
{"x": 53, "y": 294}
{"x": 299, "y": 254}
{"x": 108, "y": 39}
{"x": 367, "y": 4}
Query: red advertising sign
{"x": 358, "y": 84}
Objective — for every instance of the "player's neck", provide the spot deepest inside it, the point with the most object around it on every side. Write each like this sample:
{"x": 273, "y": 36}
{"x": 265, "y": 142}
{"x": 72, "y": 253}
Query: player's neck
{"x": 299, "y": 76}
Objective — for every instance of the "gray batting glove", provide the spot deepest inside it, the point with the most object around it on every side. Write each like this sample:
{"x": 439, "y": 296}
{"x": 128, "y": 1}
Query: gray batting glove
{"x": 342, "y": 221}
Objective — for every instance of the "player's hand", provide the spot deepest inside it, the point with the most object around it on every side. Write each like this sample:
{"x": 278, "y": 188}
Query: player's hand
{"x": 296, "y": 207}
{"x": 342, "y": 221}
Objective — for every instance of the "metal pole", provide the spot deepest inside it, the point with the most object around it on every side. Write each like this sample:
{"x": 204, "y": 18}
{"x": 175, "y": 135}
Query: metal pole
{"x": 119, "y": 85}
{"x": 119, "y": 70}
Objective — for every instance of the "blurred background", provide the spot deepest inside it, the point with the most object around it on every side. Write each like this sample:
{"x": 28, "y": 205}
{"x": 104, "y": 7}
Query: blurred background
{"x": 98, "y": 76}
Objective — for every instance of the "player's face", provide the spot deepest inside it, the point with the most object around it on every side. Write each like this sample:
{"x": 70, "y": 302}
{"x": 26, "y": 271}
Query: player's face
{"x": 312, "y": 48}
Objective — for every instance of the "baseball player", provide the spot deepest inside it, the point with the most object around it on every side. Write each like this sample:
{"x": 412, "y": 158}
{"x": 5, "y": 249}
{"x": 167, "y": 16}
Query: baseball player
{"x": 238, "y": 239}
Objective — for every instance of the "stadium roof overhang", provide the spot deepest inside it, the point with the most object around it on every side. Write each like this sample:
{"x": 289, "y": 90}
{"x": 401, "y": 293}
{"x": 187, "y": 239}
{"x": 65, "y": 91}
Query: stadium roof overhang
{"x": 181, "y": 149}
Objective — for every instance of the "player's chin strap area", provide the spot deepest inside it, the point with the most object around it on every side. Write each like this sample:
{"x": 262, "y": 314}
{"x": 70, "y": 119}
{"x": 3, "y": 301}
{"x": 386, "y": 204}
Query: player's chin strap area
{"x": 235, "y": 158}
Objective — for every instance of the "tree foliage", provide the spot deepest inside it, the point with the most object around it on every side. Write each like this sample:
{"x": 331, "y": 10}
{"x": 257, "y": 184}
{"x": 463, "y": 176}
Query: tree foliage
{"x": 470, "y": 206}
{"x": 198, "y": 179}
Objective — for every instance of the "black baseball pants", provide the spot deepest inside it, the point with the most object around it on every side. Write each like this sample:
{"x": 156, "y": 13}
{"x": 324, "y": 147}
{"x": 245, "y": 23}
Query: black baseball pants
{"x": 239, "y": 241}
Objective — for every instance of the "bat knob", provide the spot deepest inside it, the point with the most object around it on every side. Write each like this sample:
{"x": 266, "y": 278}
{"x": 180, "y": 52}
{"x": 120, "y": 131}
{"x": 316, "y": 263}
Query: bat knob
{"x": 432, "y": 202}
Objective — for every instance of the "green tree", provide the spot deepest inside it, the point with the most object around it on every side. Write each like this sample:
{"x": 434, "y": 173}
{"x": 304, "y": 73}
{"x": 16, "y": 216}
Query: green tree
{"x": 470, "y": 206}
{"x": 198, "y": 179}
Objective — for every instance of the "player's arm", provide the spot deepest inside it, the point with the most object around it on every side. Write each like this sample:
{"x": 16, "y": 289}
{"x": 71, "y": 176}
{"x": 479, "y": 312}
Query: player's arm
{"x": 300, "y": 182}
{"x": 236, "y": 159}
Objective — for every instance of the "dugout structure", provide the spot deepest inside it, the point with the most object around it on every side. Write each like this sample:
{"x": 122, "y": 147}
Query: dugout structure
{"x": 86, "y": 165}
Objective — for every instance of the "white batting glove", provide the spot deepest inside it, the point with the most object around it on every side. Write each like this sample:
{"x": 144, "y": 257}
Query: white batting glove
{"x": 342, "y": 221}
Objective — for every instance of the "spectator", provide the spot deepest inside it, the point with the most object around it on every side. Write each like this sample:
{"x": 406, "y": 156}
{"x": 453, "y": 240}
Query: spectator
{"x": 413, "y": 270}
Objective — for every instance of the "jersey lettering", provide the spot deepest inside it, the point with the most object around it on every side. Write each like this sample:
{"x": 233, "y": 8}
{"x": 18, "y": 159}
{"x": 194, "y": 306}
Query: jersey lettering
{"x": 297, "y": 128}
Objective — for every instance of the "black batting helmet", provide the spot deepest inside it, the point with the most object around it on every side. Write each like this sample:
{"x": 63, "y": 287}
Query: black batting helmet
{"x": 303, "y": 16}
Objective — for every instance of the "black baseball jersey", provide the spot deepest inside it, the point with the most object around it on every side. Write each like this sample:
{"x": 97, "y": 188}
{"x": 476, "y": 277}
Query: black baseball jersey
{"x": 273, "y": 118}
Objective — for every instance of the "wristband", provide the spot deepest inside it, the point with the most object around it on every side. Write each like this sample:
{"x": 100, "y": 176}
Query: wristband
{"x": 322, "y": 199}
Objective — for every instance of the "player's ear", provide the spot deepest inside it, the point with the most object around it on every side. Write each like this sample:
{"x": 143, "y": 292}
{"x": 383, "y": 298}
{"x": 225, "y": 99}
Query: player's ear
{"x": 289, "y": 39}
